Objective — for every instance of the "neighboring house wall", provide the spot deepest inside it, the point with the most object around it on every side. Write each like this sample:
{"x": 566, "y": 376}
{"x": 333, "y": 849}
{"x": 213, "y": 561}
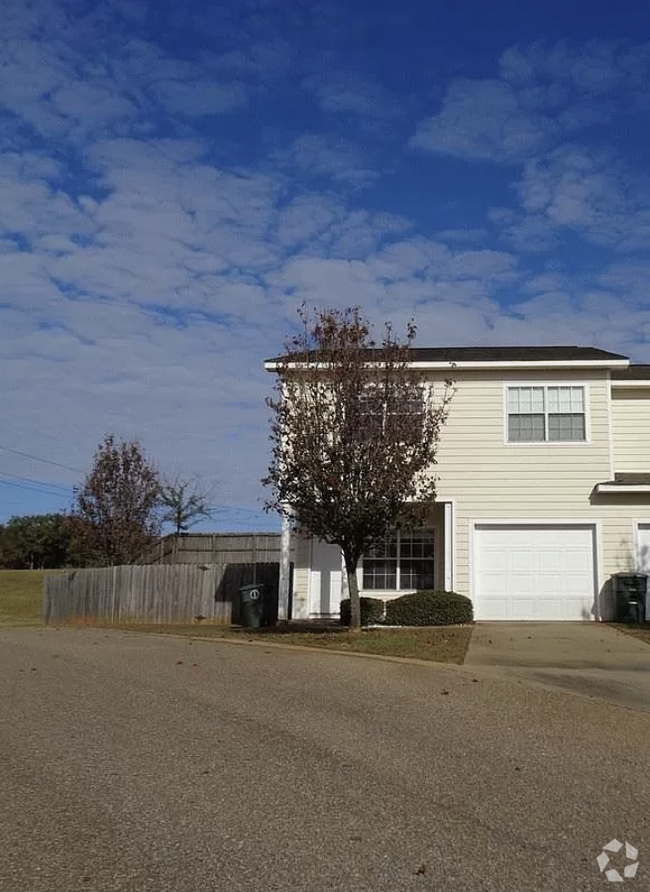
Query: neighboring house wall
{"x": 631, "y": 428}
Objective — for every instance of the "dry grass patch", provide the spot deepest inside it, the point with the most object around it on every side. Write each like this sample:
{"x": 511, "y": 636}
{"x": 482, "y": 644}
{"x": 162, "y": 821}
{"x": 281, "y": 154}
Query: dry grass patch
{"x": 442, "y": 644}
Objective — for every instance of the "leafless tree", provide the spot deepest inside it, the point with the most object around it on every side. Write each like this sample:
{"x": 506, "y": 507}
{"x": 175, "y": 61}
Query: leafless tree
{"x": 184, "y": 503}
{"x": 354, "y": 433}
{"x": 116, "y": 510}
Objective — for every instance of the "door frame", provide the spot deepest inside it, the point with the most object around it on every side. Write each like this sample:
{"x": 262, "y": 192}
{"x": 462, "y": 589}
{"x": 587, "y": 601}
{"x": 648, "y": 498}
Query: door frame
{"x": 638, "y": 522}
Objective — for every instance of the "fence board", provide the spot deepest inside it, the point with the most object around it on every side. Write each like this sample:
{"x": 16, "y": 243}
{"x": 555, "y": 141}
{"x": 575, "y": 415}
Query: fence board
{"x": 214, "y": 548}
{"x": 155, "y": 593}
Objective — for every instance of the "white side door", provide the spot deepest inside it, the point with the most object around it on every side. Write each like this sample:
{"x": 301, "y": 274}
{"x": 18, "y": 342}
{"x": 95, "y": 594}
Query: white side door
{"x": 325, "y": 579}
{"x": 643, "y": 548}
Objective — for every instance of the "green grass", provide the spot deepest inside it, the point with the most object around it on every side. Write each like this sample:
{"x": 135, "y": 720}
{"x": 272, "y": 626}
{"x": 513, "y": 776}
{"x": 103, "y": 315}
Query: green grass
{"x": 21, "y": 593}
{"x": 444, "y": 644}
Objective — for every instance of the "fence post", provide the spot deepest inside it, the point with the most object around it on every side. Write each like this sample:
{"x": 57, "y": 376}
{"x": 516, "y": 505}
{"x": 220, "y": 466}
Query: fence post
{"x": 114, "y": 573}
{"x": 283, "y": 581}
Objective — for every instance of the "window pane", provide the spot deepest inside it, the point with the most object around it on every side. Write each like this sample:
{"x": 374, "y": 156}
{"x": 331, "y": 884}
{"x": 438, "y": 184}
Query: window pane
{"x": 525, "y": 428}
{"x": 577, "y": 399}
{"x": 379, "y": 574}
{"x": 416, "y": 544}
{"x": 416, "y": 574}
{"x": 565, "y": 399}
{"x": 385, "y": 549}
{"x": 569, "y": 427}
{"x": 513, "y": 400}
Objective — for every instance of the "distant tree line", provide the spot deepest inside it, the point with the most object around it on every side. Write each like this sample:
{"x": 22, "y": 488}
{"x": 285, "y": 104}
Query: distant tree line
{"x": 117, "y": 512}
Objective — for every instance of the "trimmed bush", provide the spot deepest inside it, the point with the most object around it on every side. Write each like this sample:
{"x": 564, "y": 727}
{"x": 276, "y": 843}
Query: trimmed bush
{"x": 427, "y": 608}
{"x": 372, "y": 611}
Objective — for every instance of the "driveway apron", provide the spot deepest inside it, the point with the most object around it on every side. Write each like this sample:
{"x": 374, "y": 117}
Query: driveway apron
{"x": 590, "y": 659}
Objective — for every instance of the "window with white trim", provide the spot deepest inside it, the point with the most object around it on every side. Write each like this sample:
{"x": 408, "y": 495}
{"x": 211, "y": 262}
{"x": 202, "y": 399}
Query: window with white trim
{"x": 403, "y": 561}
{"x": 546, "y": 414}
{"x": 376, "y": 415}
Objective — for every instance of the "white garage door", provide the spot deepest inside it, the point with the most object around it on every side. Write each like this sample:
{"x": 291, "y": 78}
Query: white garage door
{"x": 534, "y": 572}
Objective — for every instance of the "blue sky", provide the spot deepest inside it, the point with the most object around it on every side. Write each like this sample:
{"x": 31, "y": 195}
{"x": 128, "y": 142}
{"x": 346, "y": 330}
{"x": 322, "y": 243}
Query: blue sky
{"x": 176, "y": 178}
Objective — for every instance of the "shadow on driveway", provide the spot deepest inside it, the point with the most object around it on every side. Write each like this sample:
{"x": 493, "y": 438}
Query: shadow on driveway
{"x": 590, "y": 659}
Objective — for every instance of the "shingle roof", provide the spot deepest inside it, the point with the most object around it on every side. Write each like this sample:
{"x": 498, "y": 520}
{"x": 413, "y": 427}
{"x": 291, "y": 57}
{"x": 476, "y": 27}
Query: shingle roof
{"x": 511, "y": 354}
{"x": 539, "y": 354}
{"x": 632, "y": 373}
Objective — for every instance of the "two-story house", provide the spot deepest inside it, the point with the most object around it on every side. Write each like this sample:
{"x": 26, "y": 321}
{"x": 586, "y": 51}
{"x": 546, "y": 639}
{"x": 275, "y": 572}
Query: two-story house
{"x": 543, "y": 490}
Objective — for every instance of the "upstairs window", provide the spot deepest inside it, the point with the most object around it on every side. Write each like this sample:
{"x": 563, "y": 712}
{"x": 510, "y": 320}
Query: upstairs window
{"x": 406, "y": 415}
{"x": 546, "y": 414}
{"x": 403, "y": 561}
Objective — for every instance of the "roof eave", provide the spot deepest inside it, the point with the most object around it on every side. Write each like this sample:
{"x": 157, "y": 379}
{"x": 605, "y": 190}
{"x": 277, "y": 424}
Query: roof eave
{"x": 451, "y": 365}
{"x": 609, "y": 488}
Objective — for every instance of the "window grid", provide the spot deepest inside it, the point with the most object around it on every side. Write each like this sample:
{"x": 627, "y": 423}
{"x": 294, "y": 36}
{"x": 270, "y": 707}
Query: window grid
{"x": 546, "y": 414}
{"x": 376, "y": 416}
{"x": 403, "y": 561}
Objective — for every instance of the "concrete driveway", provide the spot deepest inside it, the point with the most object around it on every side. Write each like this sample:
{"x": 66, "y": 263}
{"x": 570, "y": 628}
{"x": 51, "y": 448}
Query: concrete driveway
{"x": 591, "y": 659}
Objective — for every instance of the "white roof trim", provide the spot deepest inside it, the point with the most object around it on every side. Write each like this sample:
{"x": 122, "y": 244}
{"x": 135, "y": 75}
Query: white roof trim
{"x": 495, "y": 364}
{"x": 623, "y": 487}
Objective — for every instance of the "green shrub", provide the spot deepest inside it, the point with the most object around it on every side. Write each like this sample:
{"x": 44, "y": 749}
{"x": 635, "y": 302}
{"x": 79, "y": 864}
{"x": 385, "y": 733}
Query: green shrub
{"x": 429, "y": 609}
{"x": 372, "y": 611}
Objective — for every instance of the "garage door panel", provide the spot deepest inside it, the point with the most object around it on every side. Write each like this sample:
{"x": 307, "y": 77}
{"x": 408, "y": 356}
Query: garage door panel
{"x": 534, "y": 572}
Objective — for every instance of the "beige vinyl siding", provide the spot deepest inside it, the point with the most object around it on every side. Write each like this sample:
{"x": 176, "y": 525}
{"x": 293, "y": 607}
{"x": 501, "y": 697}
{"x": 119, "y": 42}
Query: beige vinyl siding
{"x": 631, "y": 428}
{"x": 490, "y": 479}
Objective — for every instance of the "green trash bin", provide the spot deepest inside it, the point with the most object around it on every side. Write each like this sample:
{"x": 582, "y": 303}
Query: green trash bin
{"x": 630, "y": 590}
{"x": 252, "y": 605}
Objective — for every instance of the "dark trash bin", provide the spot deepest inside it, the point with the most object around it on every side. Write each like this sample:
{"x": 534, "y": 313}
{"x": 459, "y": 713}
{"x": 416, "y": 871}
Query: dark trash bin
{"x": 630, "y": 590}
{"x": 252, "y": 605}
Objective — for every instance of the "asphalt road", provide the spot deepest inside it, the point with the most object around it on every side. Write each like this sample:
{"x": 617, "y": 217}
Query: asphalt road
{"x": 134, "y": 762}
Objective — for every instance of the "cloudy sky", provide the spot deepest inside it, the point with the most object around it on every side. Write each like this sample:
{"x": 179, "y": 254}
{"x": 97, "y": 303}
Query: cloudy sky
{"x": 175, "y": 178}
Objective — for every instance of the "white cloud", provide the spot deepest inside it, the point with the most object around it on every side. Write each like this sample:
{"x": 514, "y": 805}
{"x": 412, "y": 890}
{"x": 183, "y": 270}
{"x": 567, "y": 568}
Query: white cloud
{"x": 543, "y": 93}
{"x": 201, "y": 97}
{"x": 591, "y": 193}
{"x": 348, "y": 93}
{"x": 484, "y": 120}
{"x": 331, "y": 156}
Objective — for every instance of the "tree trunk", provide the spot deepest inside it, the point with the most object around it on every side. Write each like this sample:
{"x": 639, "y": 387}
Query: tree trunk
{"x": 353, "y": 591}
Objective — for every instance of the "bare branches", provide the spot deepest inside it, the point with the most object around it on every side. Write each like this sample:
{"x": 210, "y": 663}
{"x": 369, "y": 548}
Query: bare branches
{"x": 184, "y": 503}
{"x": 354, "y": 433}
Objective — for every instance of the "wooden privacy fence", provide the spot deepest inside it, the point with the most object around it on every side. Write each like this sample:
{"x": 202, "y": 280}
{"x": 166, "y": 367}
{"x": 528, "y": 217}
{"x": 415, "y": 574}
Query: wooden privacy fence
{"x": 177, "y": 593}
{"x": 214, "y": 548}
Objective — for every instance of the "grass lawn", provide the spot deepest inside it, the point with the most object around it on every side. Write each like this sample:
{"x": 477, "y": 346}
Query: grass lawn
{"x": 21, "y": 592}
{"x": 446, "y": 644}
